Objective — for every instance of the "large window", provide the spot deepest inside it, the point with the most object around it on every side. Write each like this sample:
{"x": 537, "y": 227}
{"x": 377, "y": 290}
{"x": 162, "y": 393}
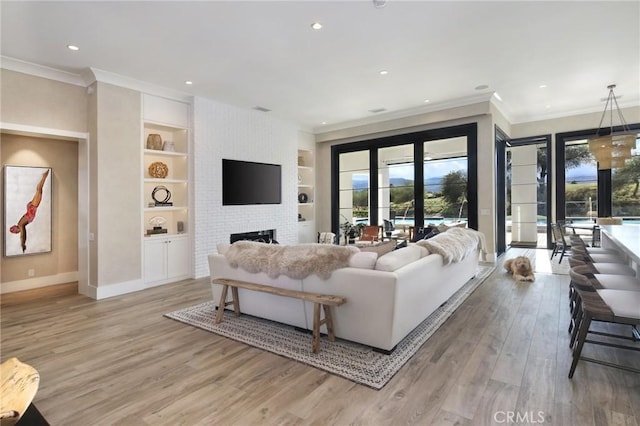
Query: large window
{"x": 445, "y": 168}
{"x": 396, "y": 183}
{"x": 580, "y": 182}
{"x": 354, "y": 187}
{"x": 411, "y": 180}
{"x": 583, "y": 192}
{"x": 625, "y": 182}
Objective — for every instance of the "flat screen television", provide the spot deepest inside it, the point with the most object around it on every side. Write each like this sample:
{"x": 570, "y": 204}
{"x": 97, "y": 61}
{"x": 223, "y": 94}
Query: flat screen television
{"x": 245, "y": 182}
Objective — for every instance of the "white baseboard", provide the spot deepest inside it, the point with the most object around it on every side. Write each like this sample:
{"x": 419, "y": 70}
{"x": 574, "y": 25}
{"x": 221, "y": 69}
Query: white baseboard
{"x": 105, "y": 291}
{"x": 38, "y": 282}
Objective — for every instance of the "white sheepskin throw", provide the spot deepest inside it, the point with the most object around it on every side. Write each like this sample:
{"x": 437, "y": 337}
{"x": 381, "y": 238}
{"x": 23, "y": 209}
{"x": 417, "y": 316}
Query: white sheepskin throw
{"x": 298, "y": 261}
{"x": 455, "y": 244}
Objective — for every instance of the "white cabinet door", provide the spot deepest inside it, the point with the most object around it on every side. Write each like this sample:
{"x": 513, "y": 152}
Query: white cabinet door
{"x": 177, "y": 257}
{"x": 155, "y": 260}
{"x": 307, "y": 232}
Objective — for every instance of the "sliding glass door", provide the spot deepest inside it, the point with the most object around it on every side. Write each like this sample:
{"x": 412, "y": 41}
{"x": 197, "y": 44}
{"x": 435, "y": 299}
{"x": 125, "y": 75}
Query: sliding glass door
{"x": 354, "y": 187}
{"x": 445, "y": 168}
{"x": 396, "y": 183}
{"x": 580, "y": 182}
{"x": 410, "y": 180}
{"x": 527, "y": 193}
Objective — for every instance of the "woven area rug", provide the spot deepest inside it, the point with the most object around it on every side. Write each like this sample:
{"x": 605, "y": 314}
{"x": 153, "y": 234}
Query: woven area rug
{"x": 350, "y": 360}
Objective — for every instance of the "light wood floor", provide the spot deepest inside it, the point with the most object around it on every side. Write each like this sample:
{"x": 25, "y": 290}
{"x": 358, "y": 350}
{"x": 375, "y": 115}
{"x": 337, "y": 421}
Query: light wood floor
{"x": 505, "y": 350}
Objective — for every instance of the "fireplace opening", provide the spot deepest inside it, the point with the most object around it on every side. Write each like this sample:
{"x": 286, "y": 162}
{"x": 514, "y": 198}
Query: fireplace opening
{"x": 265, "y": 236}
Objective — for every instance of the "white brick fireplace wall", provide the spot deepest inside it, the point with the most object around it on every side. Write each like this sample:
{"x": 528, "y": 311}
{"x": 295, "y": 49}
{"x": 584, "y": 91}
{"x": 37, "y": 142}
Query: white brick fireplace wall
{"x": 223, "y": 131}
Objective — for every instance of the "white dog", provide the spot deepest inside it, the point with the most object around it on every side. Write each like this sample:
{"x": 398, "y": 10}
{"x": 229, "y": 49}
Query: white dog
{"x": 521, "y": 268}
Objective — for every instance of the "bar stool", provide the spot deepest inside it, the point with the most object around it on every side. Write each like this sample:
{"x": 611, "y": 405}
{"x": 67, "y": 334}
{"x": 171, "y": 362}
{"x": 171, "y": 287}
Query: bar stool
{"x": 578, "y": 253}
{"x": 579, "y": 243}
{"x": 588, "y": 274}
{"x": 600, "y": 263}
{"x": 614, "y": 306}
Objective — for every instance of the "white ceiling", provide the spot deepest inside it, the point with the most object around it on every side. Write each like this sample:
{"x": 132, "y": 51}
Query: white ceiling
{"x": 264, "y": 53}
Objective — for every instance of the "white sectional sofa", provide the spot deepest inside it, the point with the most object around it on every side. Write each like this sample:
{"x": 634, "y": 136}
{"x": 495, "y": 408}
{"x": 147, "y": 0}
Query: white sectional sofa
{"x": 387, "y": 297}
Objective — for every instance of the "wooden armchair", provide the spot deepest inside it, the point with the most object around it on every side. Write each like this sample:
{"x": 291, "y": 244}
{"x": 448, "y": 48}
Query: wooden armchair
{"x": 370, "y": 233}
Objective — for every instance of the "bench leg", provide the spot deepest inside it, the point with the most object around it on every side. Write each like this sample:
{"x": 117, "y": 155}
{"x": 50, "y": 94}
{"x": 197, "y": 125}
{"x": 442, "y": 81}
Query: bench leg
{"x": 328, "y": 320}
{"x": 317, "y": 322}
{"x": 315, "y": 346}
{"x": 236, "y": 300}
{"x": 221, "y": 304}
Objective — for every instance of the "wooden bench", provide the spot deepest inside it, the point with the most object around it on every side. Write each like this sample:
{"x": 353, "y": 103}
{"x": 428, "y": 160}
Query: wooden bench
{"x": 319, "y": 300}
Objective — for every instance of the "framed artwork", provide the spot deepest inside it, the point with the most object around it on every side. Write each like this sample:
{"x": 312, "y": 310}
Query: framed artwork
{"x": 27, "y": 210}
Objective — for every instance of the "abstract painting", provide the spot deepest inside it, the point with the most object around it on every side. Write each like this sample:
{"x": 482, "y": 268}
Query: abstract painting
{"x": 27, "y": 210}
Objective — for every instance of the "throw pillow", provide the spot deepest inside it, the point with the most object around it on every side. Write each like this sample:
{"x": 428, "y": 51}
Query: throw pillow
{"x": 442, "y": 227}
{"x": 382, "y": 248}
{"x": 425, "y": 233}
{"x": 363, "y": 260}
{"x": 401, "y": 245}
{"x": 398, "y": 258}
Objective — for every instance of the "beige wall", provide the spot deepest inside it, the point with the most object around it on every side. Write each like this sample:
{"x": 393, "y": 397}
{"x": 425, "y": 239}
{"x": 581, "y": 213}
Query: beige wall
{"x": 62, "y": 157}
{"x": 115, "y": 158}
{"x": 112, "y": 116}
{"x": 40, "y": 102}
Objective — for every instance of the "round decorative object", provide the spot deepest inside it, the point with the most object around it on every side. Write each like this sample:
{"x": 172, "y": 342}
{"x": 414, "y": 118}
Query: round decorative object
{"x": 154, "y": 141}
{"x": 159, "y": 191}
{"x": 158, "y": 170}
{"x": 302, "y": 197}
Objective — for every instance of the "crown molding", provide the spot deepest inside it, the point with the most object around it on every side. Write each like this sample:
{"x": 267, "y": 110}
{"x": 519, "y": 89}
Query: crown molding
{"x": 89, "y": 76}
{"x": 49, "y": 73}
{"x": 563, "y": 114}
{"x": 95, "y": 74}
{"x": 409, "y": 112}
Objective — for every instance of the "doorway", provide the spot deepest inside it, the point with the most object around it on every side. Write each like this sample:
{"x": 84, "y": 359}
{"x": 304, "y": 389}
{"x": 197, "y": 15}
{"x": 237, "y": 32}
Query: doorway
{"x": 523, "y": 196}
{"x": 82, "y": 275}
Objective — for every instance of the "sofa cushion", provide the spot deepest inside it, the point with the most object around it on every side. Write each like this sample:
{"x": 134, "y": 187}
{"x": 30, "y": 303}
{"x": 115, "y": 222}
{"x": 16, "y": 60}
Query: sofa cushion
{"x": 363, "y": 260}
{"x": 398, "y": 258}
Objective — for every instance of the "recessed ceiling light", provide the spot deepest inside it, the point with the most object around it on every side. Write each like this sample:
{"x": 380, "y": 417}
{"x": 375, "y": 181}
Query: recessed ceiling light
{"x": 384, "y": 72}
{"x": 72, "y": 47}
{"x": 324, "y": 122}
{"x": 188, "y": 82}
{"x": 426, "y": 101}
{"x": 542, "y": 86}
{"x": 316, "y": 25}
{"x": 547, "y": 106}
{"x": 481, "y": 87}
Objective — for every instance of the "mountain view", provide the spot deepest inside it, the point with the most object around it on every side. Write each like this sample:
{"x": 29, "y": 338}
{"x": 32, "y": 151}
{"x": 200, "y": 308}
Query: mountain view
{"x": 433, "y": 184}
